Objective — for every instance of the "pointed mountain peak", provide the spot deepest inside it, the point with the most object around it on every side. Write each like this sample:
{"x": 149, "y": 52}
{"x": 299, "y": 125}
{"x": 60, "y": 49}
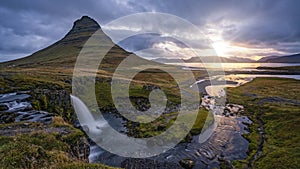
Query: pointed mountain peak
{"x": 82, "y": 29}
{"x": 85, "y": 22}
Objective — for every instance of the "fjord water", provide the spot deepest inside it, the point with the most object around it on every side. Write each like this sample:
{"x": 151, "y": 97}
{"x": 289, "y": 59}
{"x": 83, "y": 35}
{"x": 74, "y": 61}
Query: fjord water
{"x": 235, "y": 66}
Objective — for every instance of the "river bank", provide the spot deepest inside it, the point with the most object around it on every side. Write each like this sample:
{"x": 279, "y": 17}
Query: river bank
{"x": 225, "y": 145}
{"x": 273, "y": 106}
{"x": 236, "y": 151}
{"x": 32, "y": 138}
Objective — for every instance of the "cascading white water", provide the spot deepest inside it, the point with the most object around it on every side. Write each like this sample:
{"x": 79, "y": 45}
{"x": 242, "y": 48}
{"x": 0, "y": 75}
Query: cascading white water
{"x": 89, "y": 124}
{"x": 86, "y": 119}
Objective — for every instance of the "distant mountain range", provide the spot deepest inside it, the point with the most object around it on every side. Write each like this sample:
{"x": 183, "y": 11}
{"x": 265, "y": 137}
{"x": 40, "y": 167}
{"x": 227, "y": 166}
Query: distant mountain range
{"x": 207, "y": 59}
{"x": 212, "y": 59}
{"x": 64, "y": 52}
{"x": 282, "y": 59}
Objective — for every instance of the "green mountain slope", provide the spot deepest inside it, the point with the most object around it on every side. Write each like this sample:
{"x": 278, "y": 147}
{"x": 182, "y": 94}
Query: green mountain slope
{"x": 64, "y": 52}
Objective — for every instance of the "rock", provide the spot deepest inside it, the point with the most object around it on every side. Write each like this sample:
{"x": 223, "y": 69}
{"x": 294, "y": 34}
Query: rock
{"x": 3, "y": 107}
{"x": 150, "y": 87}
{"x": 233, "y": 109}
{"x": 26, "y": 124}
{"x": 225, "y": 164}
{"x": 226, "y": 111}
{"x": 187, "y": 163}
{"x": 148, "y": 164}
{"x": 161, "y": 127}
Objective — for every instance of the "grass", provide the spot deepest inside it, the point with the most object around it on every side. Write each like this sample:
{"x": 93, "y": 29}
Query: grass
{"x": 280, "y": 148}
{"x": 280, "y": 117}
{"x": 41, "y": 149}
{"x": 52, "y": 150}
{"x": 161, "y": 124}
{"x": 288, "y": 68}
{"x": 51, "y": 69}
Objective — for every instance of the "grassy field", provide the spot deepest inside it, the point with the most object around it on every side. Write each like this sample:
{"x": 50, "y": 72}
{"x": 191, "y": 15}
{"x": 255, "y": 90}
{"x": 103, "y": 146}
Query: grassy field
{"x": 45, "y": 146}
{"x": 43, "y": 83}
{"x": 288, "y": 68}
{"x": 276, "y": 102}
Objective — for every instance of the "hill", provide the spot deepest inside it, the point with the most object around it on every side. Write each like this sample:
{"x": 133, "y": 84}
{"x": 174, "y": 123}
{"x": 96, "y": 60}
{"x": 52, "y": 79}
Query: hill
{"x": 207, "y": 59}
{"x": 282, "y": 59}
{"x": 63, "y": 53}
{"x": 211, "y": 59}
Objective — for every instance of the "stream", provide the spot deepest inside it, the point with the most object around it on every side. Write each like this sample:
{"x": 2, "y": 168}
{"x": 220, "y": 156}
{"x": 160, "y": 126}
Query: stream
{"x": 16, "y": 107}
{"x": 225, "y": 143}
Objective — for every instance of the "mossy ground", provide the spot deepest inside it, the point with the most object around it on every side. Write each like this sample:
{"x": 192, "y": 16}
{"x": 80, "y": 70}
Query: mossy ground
{"x": 278, "y": 99}
{"x": 161, "y": 124}
{"x": 40, "y": 148}
{"x": 281, "y": 118}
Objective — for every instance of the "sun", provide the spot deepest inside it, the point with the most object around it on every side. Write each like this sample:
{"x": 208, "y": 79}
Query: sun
{"x": 221, "y": 48}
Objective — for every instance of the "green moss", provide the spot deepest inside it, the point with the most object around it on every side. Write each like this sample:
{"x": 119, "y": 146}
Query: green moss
{"x": 84, "y": 166}
{"x": 275, "y": 98}
{"x": 39, "y": 149}
{"x": 30, "y": 151}
{"x": 161, "y": 124}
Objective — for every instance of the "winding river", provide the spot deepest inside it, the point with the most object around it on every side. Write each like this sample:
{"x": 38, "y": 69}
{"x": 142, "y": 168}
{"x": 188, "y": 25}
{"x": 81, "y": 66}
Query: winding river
{"x": 225, "y": 144}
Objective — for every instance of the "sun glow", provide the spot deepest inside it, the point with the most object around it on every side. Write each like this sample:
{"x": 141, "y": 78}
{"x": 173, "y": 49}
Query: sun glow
{"x": 221, "y": 48}
{"x": 229, "y": 48}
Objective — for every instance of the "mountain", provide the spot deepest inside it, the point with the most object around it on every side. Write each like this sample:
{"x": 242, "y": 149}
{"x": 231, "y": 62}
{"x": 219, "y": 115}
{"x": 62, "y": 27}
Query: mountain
{"x": 282, "y": 59}
{"x": 63, "y": 53}
{"x": 264, "y": 59}
{"x": 164, "y": 60}
{"x": 208, "y": 59}
{"x": 211, "y": 59}
{"x": 242, "y": 60}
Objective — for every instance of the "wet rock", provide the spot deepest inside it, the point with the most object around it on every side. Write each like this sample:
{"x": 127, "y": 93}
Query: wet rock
{"x": 80, "y": 148}
{"x": 26, "y": 124}
{"x": 233, "y": 109}
{"x": 7, "y": 117}
{"x": 131, "y": 163}
{"x": 187, "y": 163}
{"x": 161, "y": 127}
{"x": 86, "y": 128}
{"x": 225, "y": 164}
{"x": 3, "y": 107}
{"x": 150, "y": 87}
{"x": 197, "y": 154}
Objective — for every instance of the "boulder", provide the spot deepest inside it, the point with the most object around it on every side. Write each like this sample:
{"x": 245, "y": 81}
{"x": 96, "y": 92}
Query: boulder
{"x": 3, "y": 107}
{"x": 187, "y": 163}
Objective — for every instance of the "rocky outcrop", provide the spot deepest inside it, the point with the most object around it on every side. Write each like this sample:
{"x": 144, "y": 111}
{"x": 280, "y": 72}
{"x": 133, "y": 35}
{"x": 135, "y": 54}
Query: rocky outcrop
{"x": 233, "y": 109}
{"x": 187, "y": 163}
{"x": 82, "y": 29}
{"x": 3, "y": 107}
{"x": 148, "y": 164}
{"x": 21, "y": 119}
{"x": 56, "y": 101}
{"x": 229, "y": 109}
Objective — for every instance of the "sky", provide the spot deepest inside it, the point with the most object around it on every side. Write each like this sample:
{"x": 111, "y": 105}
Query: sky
{"x": 247, "y": 29}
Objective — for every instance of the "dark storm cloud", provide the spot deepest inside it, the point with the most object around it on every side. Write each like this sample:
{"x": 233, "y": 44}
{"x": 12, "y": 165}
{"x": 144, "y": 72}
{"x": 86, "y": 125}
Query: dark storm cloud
{"x": 144, "y": 41}
{"x": 29, "y": 25}
{"x": 275, "y": 24}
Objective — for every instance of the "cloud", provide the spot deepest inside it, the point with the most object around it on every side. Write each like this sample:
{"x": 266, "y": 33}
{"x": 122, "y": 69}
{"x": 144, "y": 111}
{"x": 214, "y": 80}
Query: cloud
{"x": 271, "y": 25}
{"x": 27, "y": 26}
